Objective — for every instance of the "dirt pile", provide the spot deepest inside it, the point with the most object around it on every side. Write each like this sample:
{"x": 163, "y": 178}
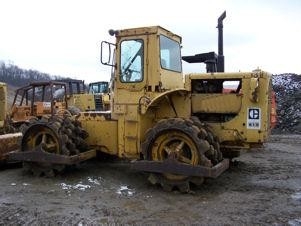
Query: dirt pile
{"x": 288, "y": 98}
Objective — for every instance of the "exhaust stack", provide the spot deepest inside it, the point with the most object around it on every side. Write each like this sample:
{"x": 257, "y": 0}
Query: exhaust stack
{"x": 220, "y": 57}
{"x": 214, "y": 62}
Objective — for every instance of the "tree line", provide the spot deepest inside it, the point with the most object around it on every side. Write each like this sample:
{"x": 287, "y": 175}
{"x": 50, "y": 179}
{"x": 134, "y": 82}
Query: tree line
{"x": 16, "y": 76}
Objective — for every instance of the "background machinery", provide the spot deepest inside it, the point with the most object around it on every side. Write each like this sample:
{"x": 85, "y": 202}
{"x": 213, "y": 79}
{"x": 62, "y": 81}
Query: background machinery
{"x": 178, "y": 132}
{"x": 8, "y": 141}
{"x": 101, "y": 92}
{"x": 36, "y": 100}
{"x": 43, "y": 107}
{"x": 94, "y": 97}
{"x": 3, "y": 105}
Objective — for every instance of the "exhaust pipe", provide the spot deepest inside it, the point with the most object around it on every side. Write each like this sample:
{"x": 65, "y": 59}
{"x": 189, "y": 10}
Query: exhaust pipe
{"x": 220, "y": 57}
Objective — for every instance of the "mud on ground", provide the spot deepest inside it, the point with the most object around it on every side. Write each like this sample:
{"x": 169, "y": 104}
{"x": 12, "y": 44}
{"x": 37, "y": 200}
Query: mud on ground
{"x": 262, "y": 187}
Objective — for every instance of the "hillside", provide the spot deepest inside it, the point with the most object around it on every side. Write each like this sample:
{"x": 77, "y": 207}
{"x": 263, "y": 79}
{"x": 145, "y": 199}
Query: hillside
{"x": 18, "y": 77}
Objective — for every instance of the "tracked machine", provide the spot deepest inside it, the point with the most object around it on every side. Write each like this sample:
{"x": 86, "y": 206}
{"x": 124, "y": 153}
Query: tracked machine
{"x": 179, "y": 132}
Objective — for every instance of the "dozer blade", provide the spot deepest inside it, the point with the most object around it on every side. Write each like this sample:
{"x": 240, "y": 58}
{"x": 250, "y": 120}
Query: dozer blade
{"x": 38, "y": 155}
{"x": 8, "y": 142}
{"x": 175, "y": 167}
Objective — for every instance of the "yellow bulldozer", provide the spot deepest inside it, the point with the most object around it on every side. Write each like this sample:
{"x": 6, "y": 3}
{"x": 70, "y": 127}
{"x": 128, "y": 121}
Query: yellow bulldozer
{"x": 179, "y": 132}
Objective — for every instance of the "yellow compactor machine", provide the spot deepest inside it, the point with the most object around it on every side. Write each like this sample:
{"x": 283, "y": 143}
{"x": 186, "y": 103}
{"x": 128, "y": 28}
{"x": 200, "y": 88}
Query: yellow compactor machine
{"x": 177, "y": 127}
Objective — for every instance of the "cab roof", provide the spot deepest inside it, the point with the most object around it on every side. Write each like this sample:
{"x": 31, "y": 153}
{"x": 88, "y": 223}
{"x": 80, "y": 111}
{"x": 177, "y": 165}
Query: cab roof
{"x": 147, "y": 30}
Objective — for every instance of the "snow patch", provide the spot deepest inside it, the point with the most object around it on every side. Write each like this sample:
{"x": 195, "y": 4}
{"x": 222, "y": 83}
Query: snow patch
{"x": 96, "y": 181}
{"x": 81, "y": 187}
{"x": 125, "y": 191}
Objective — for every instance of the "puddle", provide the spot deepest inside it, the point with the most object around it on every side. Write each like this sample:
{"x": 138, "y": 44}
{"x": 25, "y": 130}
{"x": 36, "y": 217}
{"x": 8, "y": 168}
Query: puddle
{"x": 295, "y": 222}
{"x": 296, "y": 196}
{"x": 24, "y": 184}
{"x": 5, "y": 201}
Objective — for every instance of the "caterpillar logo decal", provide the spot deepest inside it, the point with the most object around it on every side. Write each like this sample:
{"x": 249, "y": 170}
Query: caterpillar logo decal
{"x": 254, "y": 118}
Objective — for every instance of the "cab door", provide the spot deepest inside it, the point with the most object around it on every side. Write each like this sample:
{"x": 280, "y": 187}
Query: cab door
{"x": 130, "y": 85}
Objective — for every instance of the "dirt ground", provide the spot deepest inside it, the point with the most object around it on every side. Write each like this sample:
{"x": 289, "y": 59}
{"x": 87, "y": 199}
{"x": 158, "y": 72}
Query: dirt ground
{"x": 262, "y": 187}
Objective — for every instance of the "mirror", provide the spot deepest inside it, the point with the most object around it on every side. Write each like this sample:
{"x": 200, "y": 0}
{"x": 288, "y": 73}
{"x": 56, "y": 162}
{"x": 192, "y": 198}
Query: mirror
{"x": 107, "y": 53}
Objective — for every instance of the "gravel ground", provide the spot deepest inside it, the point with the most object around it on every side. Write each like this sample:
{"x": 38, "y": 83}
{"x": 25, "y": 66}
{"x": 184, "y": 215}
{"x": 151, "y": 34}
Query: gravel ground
{"x": 262, "y": 187}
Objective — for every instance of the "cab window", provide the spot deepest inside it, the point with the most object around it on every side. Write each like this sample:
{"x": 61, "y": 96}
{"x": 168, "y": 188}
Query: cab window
{"x": 131, "y": 61}
{"x": 216, "y": 86}
{"x": 170, "y": 54}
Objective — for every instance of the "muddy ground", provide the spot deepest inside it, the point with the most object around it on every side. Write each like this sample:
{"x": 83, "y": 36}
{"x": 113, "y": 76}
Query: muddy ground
{"x": 262, "y": 187}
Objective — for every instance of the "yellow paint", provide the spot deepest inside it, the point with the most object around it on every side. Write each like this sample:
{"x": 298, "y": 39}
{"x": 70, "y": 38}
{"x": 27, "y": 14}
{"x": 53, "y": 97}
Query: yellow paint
{"x": 138, "y": 106}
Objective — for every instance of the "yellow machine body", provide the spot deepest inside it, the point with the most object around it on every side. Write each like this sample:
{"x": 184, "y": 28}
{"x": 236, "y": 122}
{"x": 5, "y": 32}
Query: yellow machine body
{"x": 84, "y": 101}
{"x": 239, "y": 118}
{"x": 179, "y": 128}
{"x": 96, "y": 99}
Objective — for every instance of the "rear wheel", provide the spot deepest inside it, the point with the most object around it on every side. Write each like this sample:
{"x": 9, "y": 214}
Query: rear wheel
{"x": 178, "y": 139}
{"x": 214, "y": 152}
{"x": 55, "y": 135}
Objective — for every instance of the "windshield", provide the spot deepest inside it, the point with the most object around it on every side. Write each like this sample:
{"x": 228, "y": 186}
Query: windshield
{"x": 101, "y": 87}
{"x": 131, "y": 61}
{"x": 170, "y": 54}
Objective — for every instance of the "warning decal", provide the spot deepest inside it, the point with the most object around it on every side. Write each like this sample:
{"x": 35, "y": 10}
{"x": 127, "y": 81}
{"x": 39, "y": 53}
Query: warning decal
{"x": 254, "y": 118}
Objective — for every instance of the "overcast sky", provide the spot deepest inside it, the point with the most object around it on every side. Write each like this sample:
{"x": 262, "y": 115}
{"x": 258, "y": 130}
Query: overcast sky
{"x": 62, "y": 37}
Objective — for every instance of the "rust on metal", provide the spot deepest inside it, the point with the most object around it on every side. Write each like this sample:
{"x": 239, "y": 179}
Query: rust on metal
{"x": 97, "y": 114}
{"x": 8, "y": 142}
{"x": 40, "y": 156}
{"x": 175, "y": 167}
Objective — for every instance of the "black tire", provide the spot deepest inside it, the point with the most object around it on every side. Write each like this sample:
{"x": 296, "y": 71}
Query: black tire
{"x": 175, "y": 135}
{"x": 214, "y": 153}
{"x": 61, "y": 137}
